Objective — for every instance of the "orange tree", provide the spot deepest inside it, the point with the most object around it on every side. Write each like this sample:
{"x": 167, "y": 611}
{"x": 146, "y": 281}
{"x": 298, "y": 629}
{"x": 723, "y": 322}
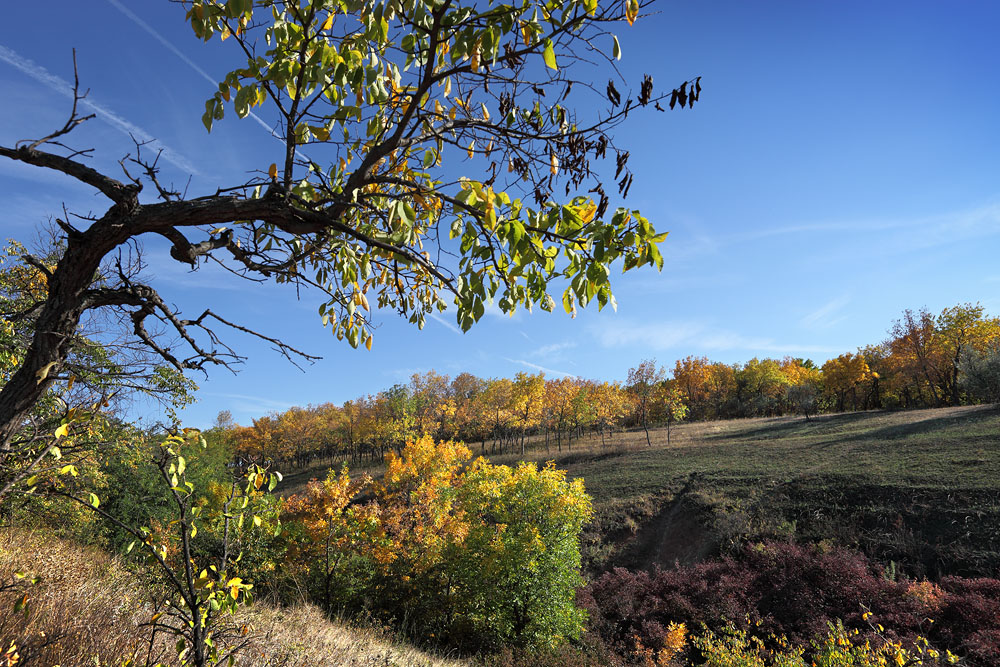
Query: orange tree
{"x": 389, "y": 97}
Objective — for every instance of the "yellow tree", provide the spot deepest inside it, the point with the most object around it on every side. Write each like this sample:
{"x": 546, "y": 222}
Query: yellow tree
{"x": 494, "y": 403}
{"x": 913, "y": 349}
{"x": 429, "y": 393}
{"x": 960, "y": 329}
{"x": 802, "y": 388}
{"x": 559, "y": 395}
{"x": 675, "y": 408}
{"x": 610, "y": 406}
{"x": 527, "y": 401}
{"x": 692, "y": 376}
{"x": 843, "y": 375}
{"x": 722, "y": 387}
{"x": 468, "y": 422}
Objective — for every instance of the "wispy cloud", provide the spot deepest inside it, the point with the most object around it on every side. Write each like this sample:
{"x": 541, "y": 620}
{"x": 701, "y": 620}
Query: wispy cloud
{"x": 550, "y": 371}
{"x": 445, "y": 323}
{"x": 180, "y": 54}
{"x": 246, "y": 404}
{"x": 692, "y": 337}
{"x": 553, "y": 350}
{"x": 823, "y": 317}
{"x": 920, "y": 232}
{"x": 64, "y": 88}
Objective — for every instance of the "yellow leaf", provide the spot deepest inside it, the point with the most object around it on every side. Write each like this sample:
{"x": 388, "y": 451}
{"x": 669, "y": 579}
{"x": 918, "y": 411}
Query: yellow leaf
{"x": 447, "y": 87}
{"x": 474, "y": 62}
{"x": 472, "y": 149}
{"x": 632, "y": 11}
{"x": 44, "y": 371}
{"x": 272, "y": 171}
{"x": 486, "y": 112}
{"x": 554, "y": 164}
{"x": 328, "y": 23}
{"x": 368, "y": 343}
{"x": 62, "y": 431}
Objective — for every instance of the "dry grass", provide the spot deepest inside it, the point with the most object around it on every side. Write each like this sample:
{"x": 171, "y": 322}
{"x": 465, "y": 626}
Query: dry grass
{"x": 88, "y": 609}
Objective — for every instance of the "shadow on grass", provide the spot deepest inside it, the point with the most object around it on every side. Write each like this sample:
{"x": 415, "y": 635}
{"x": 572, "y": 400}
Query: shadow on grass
{"x": 785, "y": 426}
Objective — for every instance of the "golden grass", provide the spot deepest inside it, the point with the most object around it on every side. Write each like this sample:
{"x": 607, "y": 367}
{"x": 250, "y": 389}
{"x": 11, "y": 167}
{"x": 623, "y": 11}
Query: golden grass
{"x": 88, "y": 609}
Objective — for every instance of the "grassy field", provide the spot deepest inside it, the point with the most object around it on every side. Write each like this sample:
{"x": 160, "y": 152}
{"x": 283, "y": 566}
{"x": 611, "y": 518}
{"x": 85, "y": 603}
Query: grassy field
{"x": 920, "y": 489}
{"x": 917, "y": 490}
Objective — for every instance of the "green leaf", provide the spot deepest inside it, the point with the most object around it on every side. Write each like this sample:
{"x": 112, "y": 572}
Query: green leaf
{"x": 549, "y": 55}
{"x": 94, "y": 500}
{"x": 617, "y": 49}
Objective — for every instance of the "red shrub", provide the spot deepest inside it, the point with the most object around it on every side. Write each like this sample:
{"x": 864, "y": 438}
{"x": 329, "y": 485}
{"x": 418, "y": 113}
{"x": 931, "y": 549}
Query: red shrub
{"x": 795, "y": 591}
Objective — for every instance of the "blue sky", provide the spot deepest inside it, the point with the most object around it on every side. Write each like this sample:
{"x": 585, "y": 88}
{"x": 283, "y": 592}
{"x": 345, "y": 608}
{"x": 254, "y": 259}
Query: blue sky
{"x": 842, "y": 165}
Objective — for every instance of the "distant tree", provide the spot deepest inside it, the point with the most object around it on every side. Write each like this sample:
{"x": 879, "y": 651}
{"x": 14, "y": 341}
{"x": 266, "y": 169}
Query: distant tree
{"x": 980, "y": 374}
{"x": 692, "y": 376}
{"x": 528, "y": 401}
{"x": 841, "y": 376}
{"x": 760, "y": 385}
{"x": 803, "y": 397}
{"x": 610, "y": 406}
{"x": 224, "y": 420}
{"x": 388, "y": 97}
{"x": 643, "y": 383}
{"x": 912, "y": 345}
{"x": 960, "y": 329}
{"x": 674, "y": 407}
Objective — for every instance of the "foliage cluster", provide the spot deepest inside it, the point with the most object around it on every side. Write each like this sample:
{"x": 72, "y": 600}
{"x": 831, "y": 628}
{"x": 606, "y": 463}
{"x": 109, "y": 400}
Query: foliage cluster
{"x": 476, "y": 556}
{"x": 797, "y": 592}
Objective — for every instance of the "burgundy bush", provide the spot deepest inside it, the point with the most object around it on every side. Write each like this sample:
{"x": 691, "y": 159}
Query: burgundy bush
{"x": 794, "y": 591}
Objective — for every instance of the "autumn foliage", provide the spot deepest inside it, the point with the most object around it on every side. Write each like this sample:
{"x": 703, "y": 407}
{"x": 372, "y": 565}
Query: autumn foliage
{"x": 798, "y": 593}
{"x": 920, "y": 365}
{"x": 472, "y": 554}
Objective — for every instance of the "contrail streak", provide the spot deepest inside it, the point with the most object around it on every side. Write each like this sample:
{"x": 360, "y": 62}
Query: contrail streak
{"x": 63, "y": 87}
{"x": 180, "y": 54}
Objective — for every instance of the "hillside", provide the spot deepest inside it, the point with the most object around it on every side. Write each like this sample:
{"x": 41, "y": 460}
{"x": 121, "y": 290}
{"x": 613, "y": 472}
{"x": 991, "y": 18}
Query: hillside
{"x": 87, "y": 609}
{"x": 921, "y": 488}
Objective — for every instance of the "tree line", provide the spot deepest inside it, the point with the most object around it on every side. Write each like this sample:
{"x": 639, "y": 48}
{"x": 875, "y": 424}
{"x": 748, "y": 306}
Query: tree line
{"x": 927, "y": 360}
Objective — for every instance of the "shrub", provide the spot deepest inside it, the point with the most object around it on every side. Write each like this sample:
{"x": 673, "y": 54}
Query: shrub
{"x": 476, "y": 558}
{"x": 796, "y": 592}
